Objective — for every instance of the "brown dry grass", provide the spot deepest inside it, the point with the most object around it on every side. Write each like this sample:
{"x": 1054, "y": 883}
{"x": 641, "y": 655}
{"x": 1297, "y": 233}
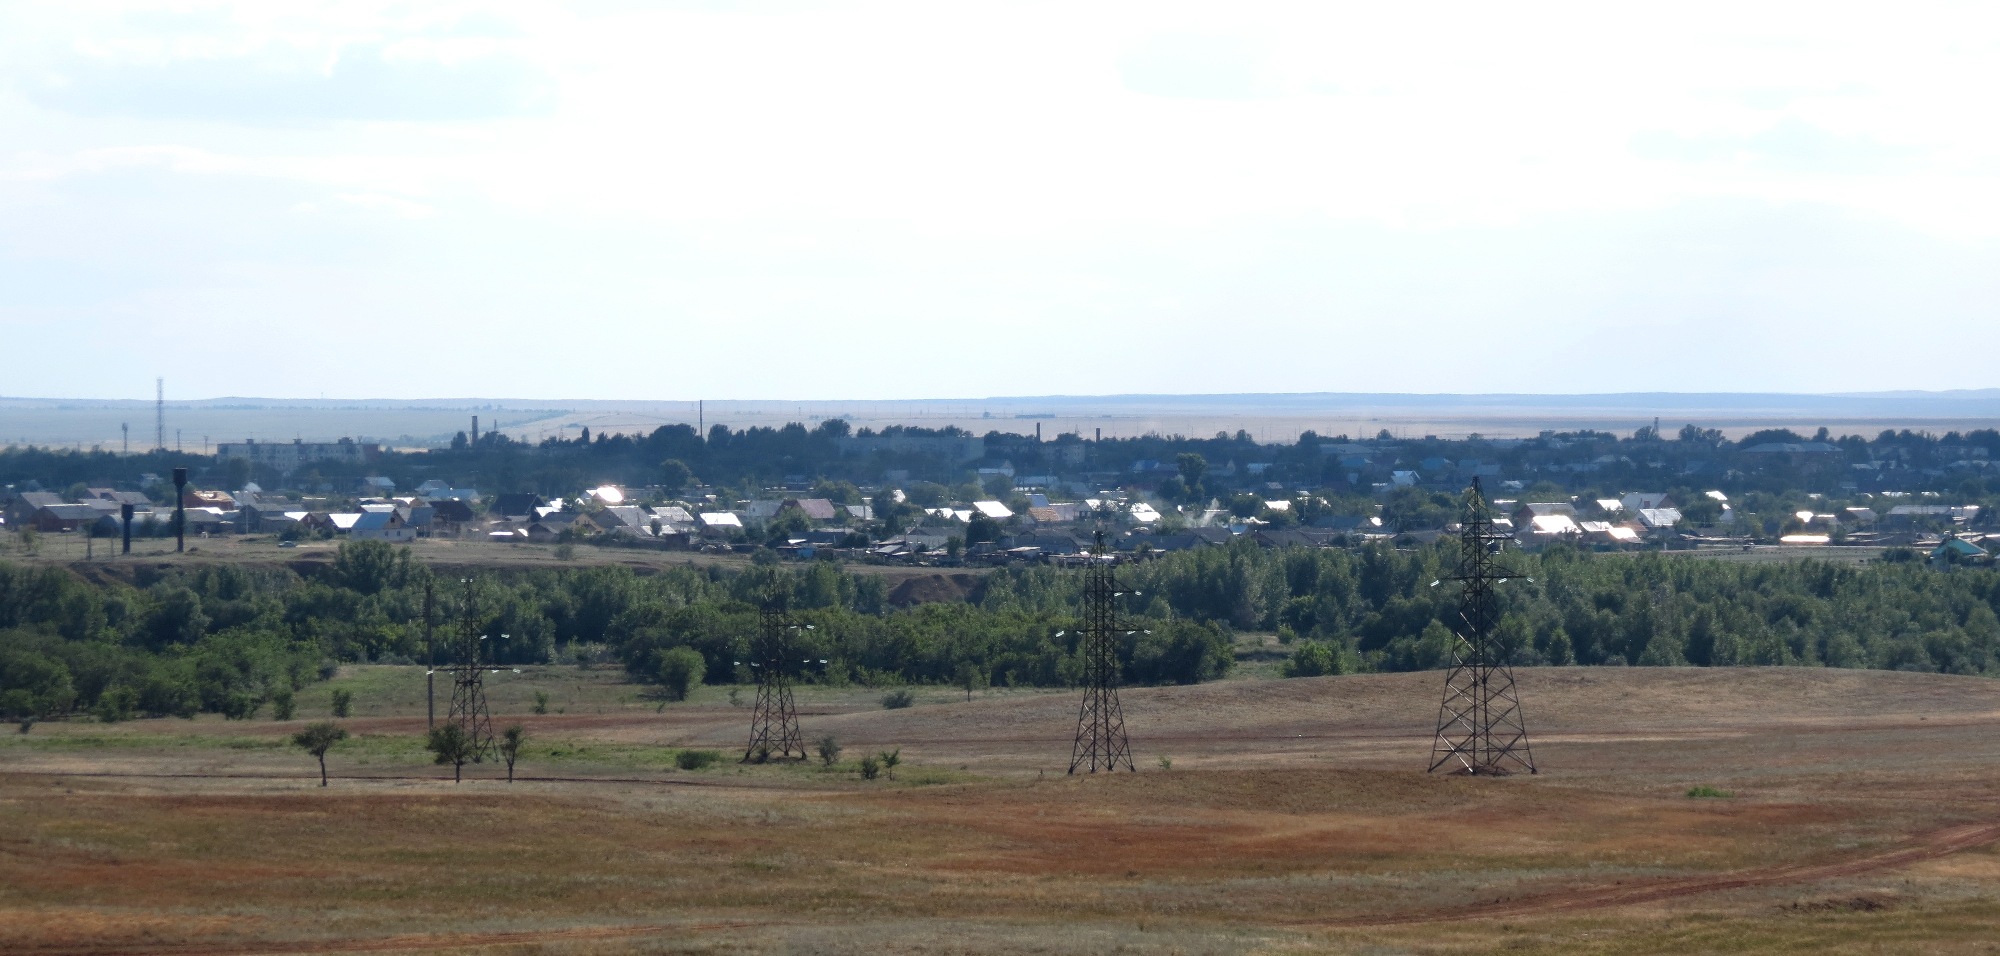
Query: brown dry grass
{"x": 1296, "y": 818}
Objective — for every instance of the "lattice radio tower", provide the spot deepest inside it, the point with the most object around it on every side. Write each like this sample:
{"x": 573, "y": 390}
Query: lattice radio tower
{"x": 468, "y": 688}
{"x": 1101, "y": 743}
{"x": 774, "y": 657}
{"x": 1480, "y": 729}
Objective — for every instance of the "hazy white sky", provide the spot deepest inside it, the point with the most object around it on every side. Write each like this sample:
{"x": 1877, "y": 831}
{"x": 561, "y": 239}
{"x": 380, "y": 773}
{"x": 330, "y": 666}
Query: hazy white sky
{"x": 806, "y": 200}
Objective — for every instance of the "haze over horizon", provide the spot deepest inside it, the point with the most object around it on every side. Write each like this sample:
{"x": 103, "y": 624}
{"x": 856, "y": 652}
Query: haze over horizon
{"x": 832, "y": 201}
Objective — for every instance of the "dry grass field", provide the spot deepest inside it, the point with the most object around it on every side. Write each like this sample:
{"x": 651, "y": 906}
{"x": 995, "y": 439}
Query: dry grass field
{"x": 1863, "y": 816}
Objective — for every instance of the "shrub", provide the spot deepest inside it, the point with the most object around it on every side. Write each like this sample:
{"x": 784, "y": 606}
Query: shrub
{"x": 541, "y": 702}
{"x": 681, "y": 670}
{"x": 829, "y": 750}
{"x": 871, "y": 767}
{"x": 697, "y": 759}
{"x": 343, "y": 701}
{"x": 898, "y": 699}
{"x": 283, "y": 704}
{"x": 27, "y": 723}
{"x": 1706, "y": 792}
{"x": 890, "y": 758}
{"x": 1166, "y": 763}
{"x": 565, "y": 552}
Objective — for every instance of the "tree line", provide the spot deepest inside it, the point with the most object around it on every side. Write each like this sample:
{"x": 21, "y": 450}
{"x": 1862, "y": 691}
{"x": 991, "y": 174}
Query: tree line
{"x": 228, "y": 639}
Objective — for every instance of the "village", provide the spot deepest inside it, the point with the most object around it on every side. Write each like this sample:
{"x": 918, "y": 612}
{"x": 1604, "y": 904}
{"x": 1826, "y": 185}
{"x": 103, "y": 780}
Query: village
{"x": 1347, "y": 494}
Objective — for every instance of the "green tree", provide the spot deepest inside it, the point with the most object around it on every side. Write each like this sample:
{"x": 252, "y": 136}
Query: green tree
{"x": 829, "y": 750}
{"x": 970, "y": 676}
{"x": 681, "y": 670}
{"x": 448, "y": 743}
{"x": 1193, "y": 474}
{"x": 675, "y": 476}
{"x": 283, "y": 704}
{"x": 511, "y": 740}
{"x": 343, "y": 702}
{"x": 317, "y": 739}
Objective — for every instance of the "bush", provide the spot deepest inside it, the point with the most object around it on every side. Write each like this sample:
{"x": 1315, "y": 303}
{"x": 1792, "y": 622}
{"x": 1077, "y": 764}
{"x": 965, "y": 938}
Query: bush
{"x": 697, "y": 759}
{"x": 1706, "y": 792}
{"x": 829, "y": 750}
{"x": 116, "y": 704}
{"x": 890, "y": 758}
{"x": 871, "y": 767}
{"x": 1313, "y": 659}
{"x": 898, "y": 699}
{"x": 681, "y": 670}
{"x": 565, "y": 552}
{"x": 541, "y": 702}
{"x": 343, "y": 701}
{"x": 283, "y": 704}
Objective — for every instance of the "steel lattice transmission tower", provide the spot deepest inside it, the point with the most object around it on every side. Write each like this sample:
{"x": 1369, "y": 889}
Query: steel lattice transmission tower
{"x": 1101, "y": 743}
{"x": 774, "y": 725}
{"x": 468, "y": 687}
{"x": 1480, "y": 729}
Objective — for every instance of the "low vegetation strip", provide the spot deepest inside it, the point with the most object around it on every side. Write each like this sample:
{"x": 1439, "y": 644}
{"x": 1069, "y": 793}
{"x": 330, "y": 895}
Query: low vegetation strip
{"x": 1927, "y": 846}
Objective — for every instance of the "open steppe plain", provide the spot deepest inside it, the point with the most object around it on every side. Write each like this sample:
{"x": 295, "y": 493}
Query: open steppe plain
{"x": 1295, "y": 817}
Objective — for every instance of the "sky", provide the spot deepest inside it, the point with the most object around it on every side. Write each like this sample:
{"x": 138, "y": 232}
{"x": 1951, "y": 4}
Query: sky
{"x": 798, "y": 200}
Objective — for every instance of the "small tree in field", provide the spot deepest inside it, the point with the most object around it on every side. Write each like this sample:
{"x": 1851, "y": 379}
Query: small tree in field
{"x": 511, "y": 740}
{"x": 343, "y": 701}
{"x": 970, "y": 677}
{"x": 317, "y": 739}
{"x": 682, "y": 670}
{"x": 451, "y": 745}
{"x": 829, "y": 750}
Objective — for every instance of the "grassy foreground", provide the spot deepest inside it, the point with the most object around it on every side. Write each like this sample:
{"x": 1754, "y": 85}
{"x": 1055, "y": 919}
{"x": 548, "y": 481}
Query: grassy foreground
{"x": 1835, "y": 812}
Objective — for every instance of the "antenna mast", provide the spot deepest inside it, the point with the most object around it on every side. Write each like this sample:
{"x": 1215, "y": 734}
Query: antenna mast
{"x": 160, "y": 414}
{"x": 1100, "y": 742}
{"x": 1480, "y": 729}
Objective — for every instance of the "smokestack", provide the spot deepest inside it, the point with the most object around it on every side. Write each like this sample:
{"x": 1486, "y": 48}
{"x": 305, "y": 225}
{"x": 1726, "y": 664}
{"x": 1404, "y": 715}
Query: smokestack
{"x": 180, "y": 509}
{"x": 475, "y": 429}
{"x": 1100, "y": 434}
{"x": 125, "y": 515}
{"x": 1038, "y": 432}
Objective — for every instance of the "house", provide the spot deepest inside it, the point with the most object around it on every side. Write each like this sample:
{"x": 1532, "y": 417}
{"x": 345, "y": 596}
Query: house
{"x": 63, "y": 516}
{"x": 450, "y": 514}
{"x": 817, "y": 509}
{"x": 1659, "y": 519}
{"x": 1544, "y": 528}
{"x": 21, "y": 511}
{"x": 1954, "y": 550}
{"x": 629, "y": 520}
{"x": 381, "y": 526}
{"x": 993, "y": 509}
{"x": 223, "y": 500}
{"x": 676, "y": 519}
{"x": 1641, "y": 500}
{"x": 720, "y": 523}
{"x": 514, "y": 505}
{"x": 1525, "y": 515}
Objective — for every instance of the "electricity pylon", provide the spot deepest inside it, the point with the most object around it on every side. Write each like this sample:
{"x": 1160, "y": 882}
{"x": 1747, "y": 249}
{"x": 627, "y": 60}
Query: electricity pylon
{"x": 468, "y": 687}
{"x": 774, "y": 656}
{"x": 1480, "y": 729}
{"x": 1100, "y": 743}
